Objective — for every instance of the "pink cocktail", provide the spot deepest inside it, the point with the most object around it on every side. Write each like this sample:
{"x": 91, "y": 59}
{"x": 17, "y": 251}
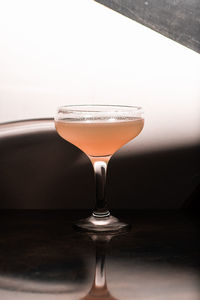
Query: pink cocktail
{"x": 99, "y": 131}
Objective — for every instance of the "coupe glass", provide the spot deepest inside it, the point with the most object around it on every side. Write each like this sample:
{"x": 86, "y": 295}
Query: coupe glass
{"x": 99, "y": 131}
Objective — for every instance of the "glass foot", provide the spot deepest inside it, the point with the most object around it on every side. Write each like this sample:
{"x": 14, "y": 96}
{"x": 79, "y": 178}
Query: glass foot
{"x": 105, "y": 224}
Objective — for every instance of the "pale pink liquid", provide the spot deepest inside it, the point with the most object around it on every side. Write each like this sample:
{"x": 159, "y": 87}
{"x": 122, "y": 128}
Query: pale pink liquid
{"x": 100, "y": 138}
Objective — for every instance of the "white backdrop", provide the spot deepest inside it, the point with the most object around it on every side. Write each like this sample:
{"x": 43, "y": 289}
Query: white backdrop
{"x": 55, "y": 52}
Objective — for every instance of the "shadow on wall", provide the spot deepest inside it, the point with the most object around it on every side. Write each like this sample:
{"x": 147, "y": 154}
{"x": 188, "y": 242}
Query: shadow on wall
{"x": 39, "y": 170}
{"x": 164, "y": 179}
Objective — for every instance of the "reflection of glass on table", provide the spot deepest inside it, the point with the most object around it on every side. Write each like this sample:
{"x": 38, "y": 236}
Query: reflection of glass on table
{"x": 99, "y": 289}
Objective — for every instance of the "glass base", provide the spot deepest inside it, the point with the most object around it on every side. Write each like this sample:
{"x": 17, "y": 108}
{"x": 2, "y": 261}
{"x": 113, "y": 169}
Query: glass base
{"x": 104, "y": 224}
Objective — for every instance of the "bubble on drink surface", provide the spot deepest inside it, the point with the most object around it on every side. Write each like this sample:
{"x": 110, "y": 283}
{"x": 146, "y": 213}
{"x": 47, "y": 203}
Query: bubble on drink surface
{"x": 111, "y": 119}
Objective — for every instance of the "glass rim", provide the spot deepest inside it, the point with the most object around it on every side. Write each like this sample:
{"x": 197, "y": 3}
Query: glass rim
{"x": 74, "y": 108}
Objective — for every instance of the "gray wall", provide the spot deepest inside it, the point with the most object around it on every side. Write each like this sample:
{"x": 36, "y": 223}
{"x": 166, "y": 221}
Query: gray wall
{"x": 176, "y": 19}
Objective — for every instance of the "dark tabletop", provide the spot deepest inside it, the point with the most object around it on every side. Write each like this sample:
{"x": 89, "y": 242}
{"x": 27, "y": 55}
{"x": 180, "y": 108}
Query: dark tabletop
{"x": 43, "y": 257}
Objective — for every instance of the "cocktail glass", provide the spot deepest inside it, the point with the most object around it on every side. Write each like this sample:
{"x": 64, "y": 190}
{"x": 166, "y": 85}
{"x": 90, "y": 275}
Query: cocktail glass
{"x": 99, "y": 131}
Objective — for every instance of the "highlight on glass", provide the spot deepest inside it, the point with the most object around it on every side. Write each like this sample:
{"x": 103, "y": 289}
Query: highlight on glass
{"x": 99, "y": 131}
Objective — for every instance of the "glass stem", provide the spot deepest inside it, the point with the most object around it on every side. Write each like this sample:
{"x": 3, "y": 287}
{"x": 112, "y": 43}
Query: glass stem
{"x": 100, "y": 170}
{"x": 99, "y": 287}
{"x": 100, "y": 275}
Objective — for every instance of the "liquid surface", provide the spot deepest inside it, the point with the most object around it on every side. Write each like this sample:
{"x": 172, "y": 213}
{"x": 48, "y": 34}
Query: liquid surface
{"x": 99, "y": 138}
